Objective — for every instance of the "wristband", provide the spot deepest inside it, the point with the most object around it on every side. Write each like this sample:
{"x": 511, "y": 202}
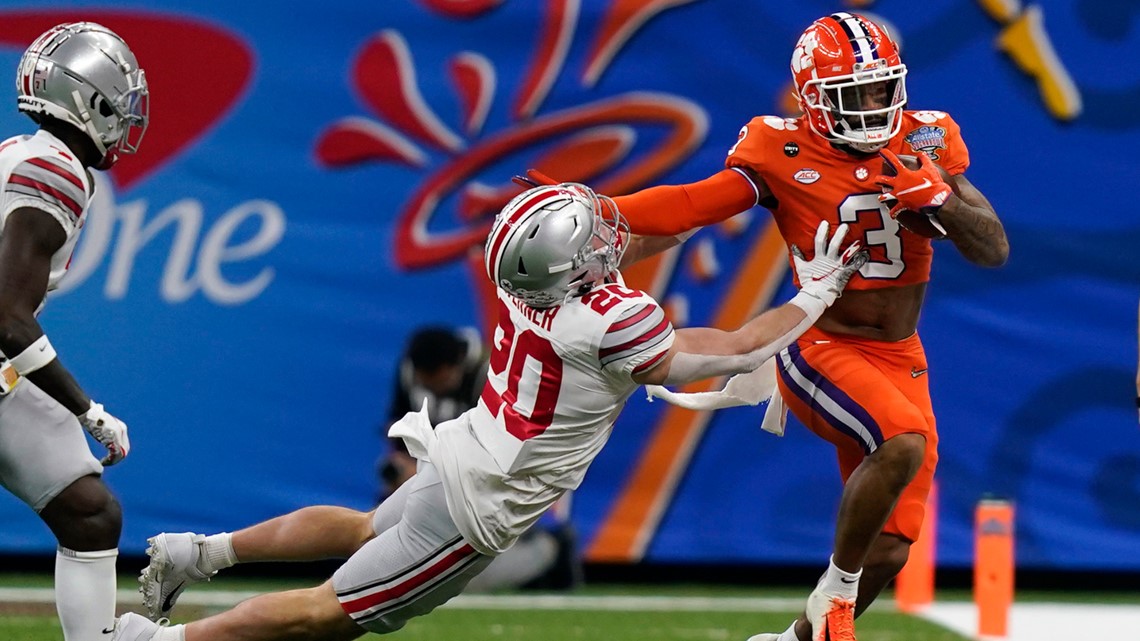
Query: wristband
{"x": 812, "y": 305}
{"x": 38, "y": 354}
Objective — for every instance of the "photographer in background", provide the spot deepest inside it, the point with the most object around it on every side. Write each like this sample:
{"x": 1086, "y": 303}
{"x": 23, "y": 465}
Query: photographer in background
{"x": 447, "y": 368}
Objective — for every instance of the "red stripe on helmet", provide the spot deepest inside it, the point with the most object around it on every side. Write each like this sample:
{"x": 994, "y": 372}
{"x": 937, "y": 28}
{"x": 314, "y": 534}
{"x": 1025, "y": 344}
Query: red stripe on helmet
{"x": 502, "y": 228}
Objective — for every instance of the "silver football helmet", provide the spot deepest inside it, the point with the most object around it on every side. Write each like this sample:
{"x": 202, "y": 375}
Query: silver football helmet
{"x": 554, "y": 242}
{"x": 85, "y": 75}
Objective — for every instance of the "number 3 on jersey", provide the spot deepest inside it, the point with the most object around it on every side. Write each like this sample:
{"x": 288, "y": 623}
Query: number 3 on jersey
{"x": 534, "y": 374}
{"x": 886, "y": 236}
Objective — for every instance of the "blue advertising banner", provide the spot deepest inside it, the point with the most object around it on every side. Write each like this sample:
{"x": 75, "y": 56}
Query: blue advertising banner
{"x": 317, "y": 182}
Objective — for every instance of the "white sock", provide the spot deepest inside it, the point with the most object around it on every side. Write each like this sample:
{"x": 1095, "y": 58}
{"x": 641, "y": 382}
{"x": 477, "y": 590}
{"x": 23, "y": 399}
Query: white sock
{"x": 85, "y": 593}
{"x": 789, "y": 634}
{"x": 217, "y": 553}
{"x": 840, "y": 583}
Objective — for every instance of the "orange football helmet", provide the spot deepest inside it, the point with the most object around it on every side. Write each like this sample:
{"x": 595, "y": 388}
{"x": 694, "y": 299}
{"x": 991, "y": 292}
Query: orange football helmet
{"x": 850, "y": 81}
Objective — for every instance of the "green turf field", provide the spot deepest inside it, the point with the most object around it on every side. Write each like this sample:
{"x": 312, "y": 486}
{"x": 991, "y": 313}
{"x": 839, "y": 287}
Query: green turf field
{"x": 545, "y": 625}
{"x": 22, "y": 622}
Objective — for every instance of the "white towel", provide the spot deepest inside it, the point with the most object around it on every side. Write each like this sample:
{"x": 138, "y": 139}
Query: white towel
{"x": 749, "y": 388}
{"x": 415, "y": 428}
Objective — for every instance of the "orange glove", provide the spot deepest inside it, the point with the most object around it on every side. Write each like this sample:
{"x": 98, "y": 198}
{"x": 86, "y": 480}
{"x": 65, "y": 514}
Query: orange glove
{"x": 922, "y": 190}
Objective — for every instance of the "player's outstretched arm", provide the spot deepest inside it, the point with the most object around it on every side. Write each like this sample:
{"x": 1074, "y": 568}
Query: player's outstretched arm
{"x": 669, "y": 210}
{"x": 641, "y": 247}
{"x": 704, "y": 352}
{"x": 29, "y": 240}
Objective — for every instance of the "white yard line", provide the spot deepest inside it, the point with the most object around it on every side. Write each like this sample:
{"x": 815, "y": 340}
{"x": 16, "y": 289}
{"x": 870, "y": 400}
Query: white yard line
{"x": 1046, "y": 621}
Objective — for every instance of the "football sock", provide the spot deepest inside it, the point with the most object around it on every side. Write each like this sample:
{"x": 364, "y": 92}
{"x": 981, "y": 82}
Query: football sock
{"x": 218, "y": 553}
{"x": 789, "y": 634}
{"x": 839, "y": 583}
{"x": 85, "y": 593}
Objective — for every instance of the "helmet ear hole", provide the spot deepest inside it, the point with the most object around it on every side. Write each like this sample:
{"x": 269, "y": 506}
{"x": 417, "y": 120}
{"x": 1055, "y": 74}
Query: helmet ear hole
{"x": 104, "y": 108}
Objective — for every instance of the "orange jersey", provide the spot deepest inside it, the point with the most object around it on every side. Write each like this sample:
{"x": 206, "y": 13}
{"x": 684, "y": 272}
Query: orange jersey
{"x": 812, "y": 181}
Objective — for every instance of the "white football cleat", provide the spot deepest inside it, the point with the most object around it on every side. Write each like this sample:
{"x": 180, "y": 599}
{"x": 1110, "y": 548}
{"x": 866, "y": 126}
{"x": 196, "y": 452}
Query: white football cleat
{"x": 767, "y": 636}
{"x": 173, "y": 567}
{"x": 832, "y": 618}
{"x": 135, "y": 627}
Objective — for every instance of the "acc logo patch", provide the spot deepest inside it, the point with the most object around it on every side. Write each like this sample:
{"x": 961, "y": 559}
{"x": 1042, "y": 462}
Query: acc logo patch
{"x": 791, "y": 150}
{"x": 928, "y": 139}
{"x": 806, "y": 176}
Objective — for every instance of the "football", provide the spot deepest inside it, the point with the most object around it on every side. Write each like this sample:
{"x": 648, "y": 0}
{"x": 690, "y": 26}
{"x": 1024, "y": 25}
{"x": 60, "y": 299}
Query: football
{"x": 914, "y": 221}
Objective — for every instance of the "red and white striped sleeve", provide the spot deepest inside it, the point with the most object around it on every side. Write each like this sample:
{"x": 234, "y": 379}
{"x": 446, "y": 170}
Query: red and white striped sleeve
{"x": 638, "y": 339}
{"x": 49, "y": 184}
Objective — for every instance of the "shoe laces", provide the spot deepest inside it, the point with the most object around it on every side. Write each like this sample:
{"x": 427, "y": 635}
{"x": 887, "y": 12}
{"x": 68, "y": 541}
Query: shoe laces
{"x": 841, "y": 620}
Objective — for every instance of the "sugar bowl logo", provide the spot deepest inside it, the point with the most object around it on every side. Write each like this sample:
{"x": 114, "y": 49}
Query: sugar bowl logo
{"x": 578, "y": 143}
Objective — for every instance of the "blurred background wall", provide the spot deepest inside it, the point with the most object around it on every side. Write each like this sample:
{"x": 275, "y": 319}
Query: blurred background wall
{"x": 319, "y": 176}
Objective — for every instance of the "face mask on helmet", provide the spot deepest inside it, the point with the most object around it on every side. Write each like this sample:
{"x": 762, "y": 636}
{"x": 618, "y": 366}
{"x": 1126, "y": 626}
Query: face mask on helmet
{"x": 850, "y": 81}
{"x": 552, "y": 243}
{"x": 865, "y": 112}
{"x": 85, "y": 75}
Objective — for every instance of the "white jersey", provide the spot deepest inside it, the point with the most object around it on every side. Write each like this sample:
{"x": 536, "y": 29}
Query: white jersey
{"x": 40, "y": 172}
{"x": 556, "y": 382}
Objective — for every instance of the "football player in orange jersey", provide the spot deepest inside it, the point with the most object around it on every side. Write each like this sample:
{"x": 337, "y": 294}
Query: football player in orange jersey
{"x": 858, "y": 378}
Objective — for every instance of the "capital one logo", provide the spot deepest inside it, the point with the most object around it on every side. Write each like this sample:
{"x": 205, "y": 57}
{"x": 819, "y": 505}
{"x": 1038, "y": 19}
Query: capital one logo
{"x": 190, "y": 94}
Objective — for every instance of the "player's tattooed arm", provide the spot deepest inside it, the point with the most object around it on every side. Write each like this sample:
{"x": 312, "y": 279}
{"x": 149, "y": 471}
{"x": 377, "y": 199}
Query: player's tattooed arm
{"x": 973, "y": 226}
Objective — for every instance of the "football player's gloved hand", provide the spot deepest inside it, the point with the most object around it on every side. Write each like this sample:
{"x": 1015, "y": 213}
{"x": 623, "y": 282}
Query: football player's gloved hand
{"x": 922, "y": 190}
{"x": 534, "y": 178}
{"x": 827, "y": 273}
{"x": 108, "y": 430}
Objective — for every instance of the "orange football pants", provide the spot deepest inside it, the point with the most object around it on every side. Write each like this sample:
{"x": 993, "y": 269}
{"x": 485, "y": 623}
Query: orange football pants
{"x": 856, "y": 393}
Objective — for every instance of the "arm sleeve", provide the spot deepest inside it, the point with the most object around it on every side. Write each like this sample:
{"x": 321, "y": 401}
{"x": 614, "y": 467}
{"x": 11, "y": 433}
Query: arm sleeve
{"x": 49, "y": 185}
{"x": 637, "y": 340}
{"x": 674, "y": 209}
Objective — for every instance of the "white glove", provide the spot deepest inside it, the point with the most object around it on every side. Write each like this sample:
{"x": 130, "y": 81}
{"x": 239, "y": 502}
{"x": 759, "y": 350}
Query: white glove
{"x": 827, "y": 273}
{"x": 108, "y": 430}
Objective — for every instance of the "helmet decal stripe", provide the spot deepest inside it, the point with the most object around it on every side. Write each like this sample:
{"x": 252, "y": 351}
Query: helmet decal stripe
{"x": 502, "y": 228}
{"x": 856, "y": 35}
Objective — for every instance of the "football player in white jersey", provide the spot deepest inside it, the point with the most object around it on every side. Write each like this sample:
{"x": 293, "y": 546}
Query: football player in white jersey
{"x": 572, "y": 344}
{"x": 83, "y": 87}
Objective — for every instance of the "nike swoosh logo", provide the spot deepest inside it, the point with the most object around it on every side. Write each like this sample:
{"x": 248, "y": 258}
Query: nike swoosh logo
{"x": 43, "y": 347}
{"x": 915, "y": 372}
{"x": 846, "y": 581}
{"x": 816, "y": 279}
{"x": 108, "y": 630}
{"x": 168, "y": 602}
{"x": 925, "y": 183}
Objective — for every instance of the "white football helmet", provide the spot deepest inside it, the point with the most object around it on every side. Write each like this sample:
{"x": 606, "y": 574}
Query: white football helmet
{"x": 554, "y": 242}
{"x": 85, "y": 75}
